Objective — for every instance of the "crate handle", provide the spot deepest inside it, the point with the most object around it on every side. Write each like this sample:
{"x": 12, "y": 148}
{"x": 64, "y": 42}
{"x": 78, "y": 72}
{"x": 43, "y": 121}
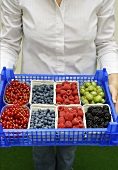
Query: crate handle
{"x": 7, "y": 74}
{"x": 113, "y": 131}
{"x": 101, "y": 75}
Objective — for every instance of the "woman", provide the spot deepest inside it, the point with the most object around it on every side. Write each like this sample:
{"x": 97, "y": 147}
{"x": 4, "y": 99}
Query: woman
{"x": 60, "y": 37}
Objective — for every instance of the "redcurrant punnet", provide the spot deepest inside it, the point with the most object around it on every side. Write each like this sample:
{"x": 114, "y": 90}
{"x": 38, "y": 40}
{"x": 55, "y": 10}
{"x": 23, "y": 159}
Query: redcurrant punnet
{"x": 15, "y": 117}
{"x": 17, "y": 93}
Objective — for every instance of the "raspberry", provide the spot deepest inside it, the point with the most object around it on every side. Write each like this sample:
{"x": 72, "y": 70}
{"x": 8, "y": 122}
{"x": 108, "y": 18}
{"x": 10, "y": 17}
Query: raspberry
{"x": 68, "y": 116}
{"x": 66, "y": 101}
{"x": 59, "y": 103}
{"x": 80, "y": 113}
{"x": 60, "y": 108}
{"x": 62, "y": 113}
{"x": 59, "y": 99}
{"x": 81, "y": 124}
{"x": 68, "y": 124}
{"x": 77, "y": 97}
{"x": 65, "y": 97}
{"x": 69, "y": 92}
{"x": 58, "y": 86}
{"x": 65, "y": 82}
{"x": 58, "y": 90}
{"x": 71, "y": 102}
{"x": 79, "y": 118}
{"x": 72, "y": 110}
{"x": 75, "y": 92}
{"x": 76, "y": 126}
{"x": 71, "y": 98}
{"x": 62, "y": 92}
{"x": 61, "y": 125}
{"x": 66, "y": 87}
{"x": 61, "y": 120}
{"x": 74, "y": 86}
{"x": 75, "y": 121}
{"x": 66, "y": 109}
{"x": 76, "y": 101}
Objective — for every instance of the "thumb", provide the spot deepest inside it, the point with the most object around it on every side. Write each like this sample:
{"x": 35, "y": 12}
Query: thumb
{"x": 113, "y": 91}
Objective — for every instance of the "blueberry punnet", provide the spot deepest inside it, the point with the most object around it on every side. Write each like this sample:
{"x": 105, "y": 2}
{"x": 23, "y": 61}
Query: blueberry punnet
{"x": 42, "y": 94}
{"x": 42, "y": 119}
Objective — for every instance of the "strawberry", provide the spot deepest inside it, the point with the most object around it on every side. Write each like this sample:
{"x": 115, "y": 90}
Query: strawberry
{"x": 68, "y": 124}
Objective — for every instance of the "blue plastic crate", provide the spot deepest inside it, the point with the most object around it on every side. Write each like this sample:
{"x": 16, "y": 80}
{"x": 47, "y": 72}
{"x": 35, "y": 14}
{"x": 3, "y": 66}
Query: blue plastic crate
{"x": 60, "y": 137}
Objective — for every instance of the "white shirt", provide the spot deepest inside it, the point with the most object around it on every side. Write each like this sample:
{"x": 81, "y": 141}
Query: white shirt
{"x": 59, "y": 40}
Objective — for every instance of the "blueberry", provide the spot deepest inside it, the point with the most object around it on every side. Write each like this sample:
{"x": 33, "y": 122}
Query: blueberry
{"x": 38, "y": 125}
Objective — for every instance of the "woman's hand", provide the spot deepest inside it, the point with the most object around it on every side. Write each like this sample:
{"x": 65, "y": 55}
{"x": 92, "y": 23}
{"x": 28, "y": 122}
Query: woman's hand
{"x": 113, "y": 85}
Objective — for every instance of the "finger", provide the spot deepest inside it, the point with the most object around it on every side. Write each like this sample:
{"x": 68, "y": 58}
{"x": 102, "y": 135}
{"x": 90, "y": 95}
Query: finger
{"x": 113, "y": 94}
{"x": 116, "y": 107}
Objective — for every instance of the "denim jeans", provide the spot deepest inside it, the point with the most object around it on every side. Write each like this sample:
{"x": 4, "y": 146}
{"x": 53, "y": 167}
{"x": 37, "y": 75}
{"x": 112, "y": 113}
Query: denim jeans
{"x": 45, "y": 158}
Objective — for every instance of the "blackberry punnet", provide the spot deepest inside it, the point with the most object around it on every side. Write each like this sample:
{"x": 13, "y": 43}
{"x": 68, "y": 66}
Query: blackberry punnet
{"x": 97, "y": 116}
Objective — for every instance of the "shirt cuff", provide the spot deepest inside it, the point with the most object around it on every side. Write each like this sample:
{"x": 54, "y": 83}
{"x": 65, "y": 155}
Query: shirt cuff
{"x": 110, "y": 62}
{"x": 8, "y": 61}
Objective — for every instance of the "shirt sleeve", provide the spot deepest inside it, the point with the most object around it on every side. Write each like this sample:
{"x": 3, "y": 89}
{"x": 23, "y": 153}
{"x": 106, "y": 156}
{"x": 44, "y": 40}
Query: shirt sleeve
{"x": 11, "y": 33}
{"x": 107, "y": 50}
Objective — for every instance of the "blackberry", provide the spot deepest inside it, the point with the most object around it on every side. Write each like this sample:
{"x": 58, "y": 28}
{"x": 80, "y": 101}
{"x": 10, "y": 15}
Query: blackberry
{"x": 89, "y": 116}
{"x": 106, "y": 124}
{"x": 96, "y": 120}
{"x": 105, "y": 107}
{"x": 90, "y": 109}
{"x": 107, "y": 116}
{"x": 89, "y": 122}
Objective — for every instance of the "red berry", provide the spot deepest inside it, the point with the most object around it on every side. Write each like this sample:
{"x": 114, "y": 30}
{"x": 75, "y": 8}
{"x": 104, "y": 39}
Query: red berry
{"x": 68, "y": 124}
{"x": 68, "y": 116}
{"x": 75, "y": 121}
{"x": 61, "y": 120}
{"x": 61, "y": 125}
